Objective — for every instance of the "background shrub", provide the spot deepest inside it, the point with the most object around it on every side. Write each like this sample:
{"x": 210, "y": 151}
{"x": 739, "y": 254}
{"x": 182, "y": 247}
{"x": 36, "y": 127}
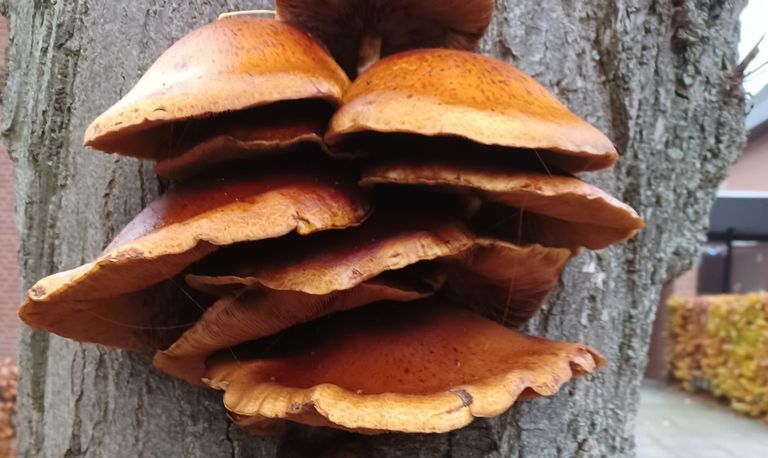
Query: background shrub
{"x": 720, "y": 343}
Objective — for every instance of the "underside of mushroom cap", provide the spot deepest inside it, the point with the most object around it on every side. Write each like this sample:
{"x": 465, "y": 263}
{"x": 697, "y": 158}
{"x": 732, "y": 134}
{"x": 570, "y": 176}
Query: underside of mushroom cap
{"x": 503, "y": 281}
{"x": 142, "y": 321}
{"x": 185, "y": 225}
{"x": 499, "y": 279}
{"x": 260, "y": 133}
{"x": 229, "y": 65}
{"x": 334, "y": 261}
{"x": 260, "y": 312}
{"x": 448, "y": 93}
{"x": 358, "y": 32}
{"x": 523, "y": 228}
{"x": 579, "y": 207}
{"x": 416, "y": 368}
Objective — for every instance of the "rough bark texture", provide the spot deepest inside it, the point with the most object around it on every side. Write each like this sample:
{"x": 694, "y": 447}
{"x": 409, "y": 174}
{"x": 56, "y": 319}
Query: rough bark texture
{"x": 653, "y": 74}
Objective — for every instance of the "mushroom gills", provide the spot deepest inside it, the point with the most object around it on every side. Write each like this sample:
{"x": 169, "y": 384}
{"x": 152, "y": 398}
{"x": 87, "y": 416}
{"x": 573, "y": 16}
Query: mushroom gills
{"x": 404, "y": 147}
{"x": 419, "y": 367}
{"x": 526, "y": 227}
{"x": 257, "y": 312}
{"x": 142, "y": 321}
{"x": 469, "y": 102}
{"x": 335, "y": 260}
{"x": 498, "y": 279}
{"x": 243, "y": 81}
{"x": 503, "y": 281}
{"x": 190, "y": 147}
{"x": 539, "y": 206}
{"x": 177, "y": 230}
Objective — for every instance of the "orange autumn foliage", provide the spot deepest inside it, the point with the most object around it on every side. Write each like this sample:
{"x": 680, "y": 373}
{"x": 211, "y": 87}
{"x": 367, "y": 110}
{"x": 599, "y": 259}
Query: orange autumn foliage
{"x": 720, "y": 344}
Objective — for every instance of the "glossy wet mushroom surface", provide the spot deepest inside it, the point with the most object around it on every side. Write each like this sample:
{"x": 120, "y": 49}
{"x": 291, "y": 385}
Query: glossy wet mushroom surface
{"x": 335, "y": 260}
{"x": 446, "y": 94}
{"x": 358, "y": 255}
{"x": 175, "y": 231}
{"x": 257, "y": 312}
{"x": 421, "y": 367}
{"x": 235, "y": 88}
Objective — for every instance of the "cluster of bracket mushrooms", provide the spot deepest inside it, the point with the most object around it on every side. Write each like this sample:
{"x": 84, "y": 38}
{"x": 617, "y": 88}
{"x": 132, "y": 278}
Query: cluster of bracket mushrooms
{"x": 356, "y": 254}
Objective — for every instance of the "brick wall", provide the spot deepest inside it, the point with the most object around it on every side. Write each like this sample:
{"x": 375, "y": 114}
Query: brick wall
{"x": 687, "y": 285}
{"x": 9, "y": 240}
{"x": 747, "y": 174}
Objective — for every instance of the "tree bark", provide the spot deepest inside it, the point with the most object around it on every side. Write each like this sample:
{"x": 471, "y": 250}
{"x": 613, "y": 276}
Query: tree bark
{"x": 653, "y": 74}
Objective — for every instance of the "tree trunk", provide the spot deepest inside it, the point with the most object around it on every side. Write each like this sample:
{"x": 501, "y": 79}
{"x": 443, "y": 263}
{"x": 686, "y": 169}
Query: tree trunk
{"x": 653, "y": 74}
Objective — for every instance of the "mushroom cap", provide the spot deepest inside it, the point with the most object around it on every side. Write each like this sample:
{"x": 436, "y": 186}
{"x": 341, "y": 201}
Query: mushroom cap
{"x": 260, "y": 312}
{"x": 449, "y": 93}
{"x": 140, "y": 321}
{"x": 243, "y": 135}
{"x": 185, "y": 225}
{"x": 580, "y": 207}
{"x": 414, "y": 368}
{"x": 232, "y": 64}
{"x": 523, "y": 228}
{"x": 504, "y": 281}
{"x": 400, "y": 25}
{"x": 335, "y": 261}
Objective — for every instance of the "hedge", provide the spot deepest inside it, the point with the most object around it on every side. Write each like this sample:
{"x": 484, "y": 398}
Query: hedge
{"x": 8, "y": 375}
{"x": 720, "y": 344}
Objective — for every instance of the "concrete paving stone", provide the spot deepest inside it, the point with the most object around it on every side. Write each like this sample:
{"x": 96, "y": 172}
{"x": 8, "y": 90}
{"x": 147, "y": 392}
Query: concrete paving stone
{"x": 672, "y": 423}
{"x": 655, "y": 452}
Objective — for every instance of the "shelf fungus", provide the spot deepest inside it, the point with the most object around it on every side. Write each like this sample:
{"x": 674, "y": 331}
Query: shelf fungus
{"x": 415, "y": 367}
{"x": 258, "y": 312}
{"x": 555, "y": 209}
{"x": 470, "y": 104}
{"x": 374, "y": 289}
{"x": 333, "y": 261}
{"x": 124, "y": 288}
{"x": 232, "y": 89}
{"x": 503, "y": 281}
{"x": 266, "y": 287}
{"x": 359, "y": 32}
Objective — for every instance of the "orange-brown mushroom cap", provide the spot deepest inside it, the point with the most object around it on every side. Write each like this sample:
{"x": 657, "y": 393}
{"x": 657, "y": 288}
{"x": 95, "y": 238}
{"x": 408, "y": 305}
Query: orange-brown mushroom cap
{"x": 260, "y": 312}
{"x": 499, "y": 279}
{"x": 504, "y": 281}
{"x": 229, "y": 65}
{"x": 237, "y": 136}
{"x": 357, "y": 32}
{"x": 582, "y": 209}
{"x": 449, "y": 93}
{"x": 415, "y": 368}
{"x": 139, "y": 321}
{"x": 185, "y": 225}
{"x": 335, "y": 261}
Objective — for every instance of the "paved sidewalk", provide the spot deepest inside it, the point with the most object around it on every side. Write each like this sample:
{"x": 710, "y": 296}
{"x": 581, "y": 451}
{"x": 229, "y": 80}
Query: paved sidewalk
{"x": 674, "y": 424}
